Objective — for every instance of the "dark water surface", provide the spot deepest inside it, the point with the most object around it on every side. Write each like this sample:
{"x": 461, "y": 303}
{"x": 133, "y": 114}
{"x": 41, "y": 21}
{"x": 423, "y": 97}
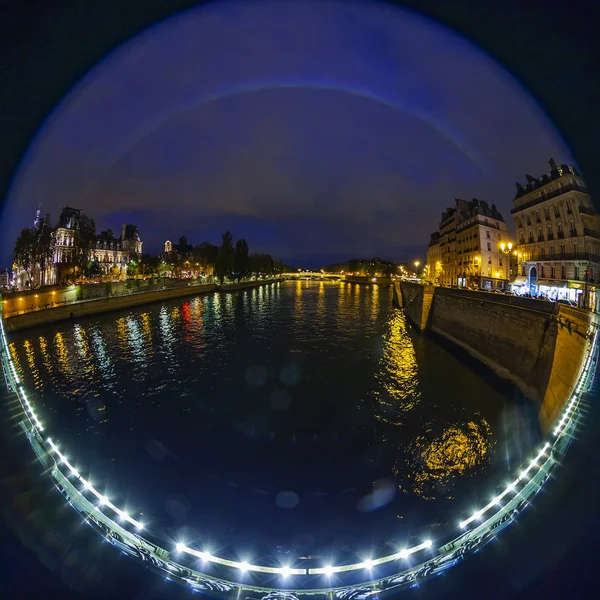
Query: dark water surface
{"x": 296, "y": 419}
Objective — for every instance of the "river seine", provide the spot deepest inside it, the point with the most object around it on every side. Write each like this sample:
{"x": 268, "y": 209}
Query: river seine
{"x": 296, "y": 419}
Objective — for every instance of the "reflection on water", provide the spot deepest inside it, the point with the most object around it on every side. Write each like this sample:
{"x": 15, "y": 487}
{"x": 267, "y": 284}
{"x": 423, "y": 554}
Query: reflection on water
{"x": 460, "y": 450}
{"x": 398, "y": 372}
{"x": 316, "y": 388}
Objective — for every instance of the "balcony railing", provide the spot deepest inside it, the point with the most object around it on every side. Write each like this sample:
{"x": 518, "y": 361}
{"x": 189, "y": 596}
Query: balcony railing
{"x": 540, "y": 238}
{"x": 549, "y": 196}
{"x": 566, "y": 256}
{"x": 550, "y": 236}
{"x": 530, "y": 240}
{"x": 560, "y": 235}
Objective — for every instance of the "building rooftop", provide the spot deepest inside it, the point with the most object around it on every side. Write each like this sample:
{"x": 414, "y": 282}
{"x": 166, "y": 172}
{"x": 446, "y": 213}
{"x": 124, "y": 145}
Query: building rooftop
{"x": 69, "y": 218}
{"x": 131, "y": 233}
{"x": 555, "y": 172}
{"x": 465, "y": 209}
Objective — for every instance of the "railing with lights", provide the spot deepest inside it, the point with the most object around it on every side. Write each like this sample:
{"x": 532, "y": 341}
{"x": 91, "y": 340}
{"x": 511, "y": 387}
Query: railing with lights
{"x": 476, "y": 530}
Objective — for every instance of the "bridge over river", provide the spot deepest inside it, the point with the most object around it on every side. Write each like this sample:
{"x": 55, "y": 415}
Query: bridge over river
{"x": 314, "y": 275}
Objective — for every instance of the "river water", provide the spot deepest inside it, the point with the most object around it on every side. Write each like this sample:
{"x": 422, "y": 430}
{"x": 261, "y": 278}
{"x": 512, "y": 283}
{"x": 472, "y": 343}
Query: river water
{"x": 296, "y": 419}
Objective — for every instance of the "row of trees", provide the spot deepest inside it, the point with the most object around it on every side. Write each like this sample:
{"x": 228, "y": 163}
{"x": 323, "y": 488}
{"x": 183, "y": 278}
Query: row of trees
{"x": 235, "y": 263}
{"x": 365, "y": 267}
{"x": 229, "y": 260}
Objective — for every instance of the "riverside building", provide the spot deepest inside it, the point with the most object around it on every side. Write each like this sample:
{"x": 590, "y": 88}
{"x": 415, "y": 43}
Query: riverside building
{"x": 558, "y": 238}
{"x": 466, "y": 251}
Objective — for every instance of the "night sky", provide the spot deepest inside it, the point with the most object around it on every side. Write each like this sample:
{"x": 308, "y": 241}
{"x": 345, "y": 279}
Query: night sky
{"x": 317, "y": 131}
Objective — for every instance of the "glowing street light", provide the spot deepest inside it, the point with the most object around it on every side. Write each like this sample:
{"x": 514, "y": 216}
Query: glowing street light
{"x": 506, "y": 248}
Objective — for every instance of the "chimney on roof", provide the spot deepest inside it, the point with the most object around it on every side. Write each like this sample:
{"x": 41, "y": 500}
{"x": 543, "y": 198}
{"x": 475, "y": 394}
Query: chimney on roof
{"x": 123, "y": 231}
{"x": 552, "y": 164}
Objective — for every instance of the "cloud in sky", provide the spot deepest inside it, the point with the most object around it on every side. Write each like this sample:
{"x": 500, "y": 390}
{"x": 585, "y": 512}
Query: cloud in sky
{"x": 311, "y": 129}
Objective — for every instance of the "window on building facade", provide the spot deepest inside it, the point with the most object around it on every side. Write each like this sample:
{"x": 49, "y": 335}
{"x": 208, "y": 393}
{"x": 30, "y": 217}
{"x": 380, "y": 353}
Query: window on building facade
{"x": 556, "y": 211}
{"x": 563, "y": 272}
{"x": 547, "y": 213}
{"x": 522, "y": 236}
{"x": 489, "y": 246}
{"x": 500, "y": 262}
{"x": 551, "y": 251}
{"x": 537, "y": 216}
{"x": 487, "y": 234}
{"x": 552, "y": 272}
{"x": 576, "y": 273}
{"x": 542, "y": 271}
{"x": 543, "y": 251}
{"x": 528, "y": 220}
{"x": 572, "y": 229}
{"x": 569, "y": 209}
{"x": 562, "y": 250}
{"x": 540, "y": 233}
{"x": 549, "y": 229}
{"x": 559, "y": 228}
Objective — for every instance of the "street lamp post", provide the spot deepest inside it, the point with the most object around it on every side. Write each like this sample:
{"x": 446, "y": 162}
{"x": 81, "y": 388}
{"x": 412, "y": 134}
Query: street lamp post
{"x": 507, "y": 250}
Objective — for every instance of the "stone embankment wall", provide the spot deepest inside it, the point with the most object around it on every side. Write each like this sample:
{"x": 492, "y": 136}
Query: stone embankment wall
{"x": 94, "y": 306}
{"x": 48, "y": 296}
{"x": 538, "y": 345}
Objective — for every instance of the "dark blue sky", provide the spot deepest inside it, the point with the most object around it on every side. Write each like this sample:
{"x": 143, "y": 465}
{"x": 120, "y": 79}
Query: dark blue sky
{"x": 318, "y": 131}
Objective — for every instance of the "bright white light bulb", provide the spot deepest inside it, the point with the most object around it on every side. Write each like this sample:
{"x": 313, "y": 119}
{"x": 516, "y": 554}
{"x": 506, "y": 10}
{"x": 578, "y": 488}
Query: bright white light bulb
{"x": 368, "y": 564}
{"x": 427, "y": 543}
{"x": 179, "y": 547}
{"x": 285, "y": 571}
{"x": 244, "y": 566}
{"x": 328, "y": 570}
{"x": 405, "y": 553}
